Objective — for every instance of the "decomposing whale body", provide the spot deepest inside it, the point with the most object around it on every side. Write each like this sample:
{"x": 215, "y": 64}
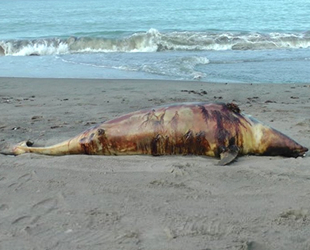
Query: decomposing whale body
{"x": 209, "y": 129}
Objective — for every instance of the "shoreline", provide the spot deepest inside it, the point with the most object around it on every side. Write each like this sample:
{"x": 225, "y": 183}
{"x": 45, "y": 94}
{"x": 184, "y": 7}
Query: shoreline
{"x": 23, "y": 78}
{"x": 130, "y": 202}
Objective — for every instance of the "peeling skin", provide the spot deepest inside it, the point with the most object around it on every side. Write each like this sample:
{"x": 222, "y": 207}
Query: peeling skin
{"x": 177, "y": 129}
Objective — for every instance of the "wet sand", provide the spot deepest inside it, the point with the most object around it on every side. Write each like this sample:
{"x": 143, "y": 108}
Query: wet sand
{"x": 145, "y": 202}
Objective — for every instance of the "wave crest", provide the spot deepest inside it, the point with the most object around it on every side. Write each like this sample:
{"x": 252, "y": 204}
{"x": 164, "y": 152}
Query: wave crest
{"x": 155, "y": 41}
{"x": 34, "y": 47}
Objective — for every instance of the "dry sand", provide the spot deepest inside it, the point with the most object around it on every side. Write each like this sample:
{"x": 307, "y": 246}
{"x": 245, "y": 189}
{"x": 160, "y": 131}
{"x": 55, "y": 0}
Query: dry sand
{"x": 145, "y": 202}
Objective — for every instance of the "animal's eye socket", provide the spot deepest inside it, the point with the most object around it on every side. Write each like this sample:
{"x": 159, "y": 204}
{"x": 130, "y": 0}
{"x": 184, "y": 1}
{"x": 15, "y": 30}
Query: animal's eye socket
{"x": 101, "y": 131}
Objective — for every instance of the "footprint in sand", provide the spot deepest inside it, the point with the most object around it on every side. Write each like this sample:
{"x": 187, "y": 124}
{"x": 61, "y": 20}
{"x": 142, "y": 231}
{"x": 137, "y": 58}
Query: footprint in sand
{"x": 46, "y": 206}
{"x": 25, "y": 220}
{"x": 25, "y": 223}
{"x": 22, "y": 219}
{"x": 22, "y": 180}
{"x": 25, "y": 177}
{"x": 37, "y": 211}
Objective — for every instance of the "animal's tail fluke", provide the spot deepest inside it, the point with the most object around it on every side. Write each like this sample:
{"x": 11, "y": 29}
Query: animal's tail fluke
{"x": 64, "y": 148}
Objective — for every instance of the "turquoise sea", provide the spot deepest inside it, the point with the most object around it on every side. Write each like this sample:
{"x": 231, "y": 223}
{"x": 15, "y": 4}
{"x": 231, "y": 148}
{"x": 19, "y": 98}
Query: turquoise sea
{"x": 256, "y": 41}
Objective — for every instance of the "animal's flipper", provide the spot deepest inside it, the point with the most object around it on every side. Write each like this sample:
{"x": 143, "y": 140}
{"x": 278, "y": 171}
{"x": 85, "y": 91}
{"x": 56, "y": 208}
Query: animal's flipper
{"x": 228, "y": 155}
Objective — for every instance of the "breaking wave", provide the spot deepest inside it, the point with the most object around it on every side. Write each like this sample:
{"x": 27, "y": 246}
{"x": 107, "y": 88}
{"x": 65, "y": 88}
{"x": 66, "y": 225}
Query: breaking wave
{"x": 155, "y": 41}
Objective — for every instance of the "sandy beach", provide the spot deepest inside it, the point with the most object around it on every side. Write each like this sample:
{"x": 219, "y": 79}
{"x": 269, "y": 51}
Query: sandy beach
{"x": 145, "y": 202}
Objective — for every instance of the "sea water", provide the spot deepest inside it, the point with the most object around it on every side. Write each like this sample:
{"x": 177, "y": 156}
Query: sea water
{"x": 241, "y": 41}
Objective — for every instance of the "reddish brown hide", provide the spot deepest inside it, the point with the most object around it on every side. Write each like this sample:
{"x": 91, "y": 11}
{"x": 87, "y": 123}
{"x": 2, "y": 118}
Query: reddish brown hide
{"x": 178, "y": 129}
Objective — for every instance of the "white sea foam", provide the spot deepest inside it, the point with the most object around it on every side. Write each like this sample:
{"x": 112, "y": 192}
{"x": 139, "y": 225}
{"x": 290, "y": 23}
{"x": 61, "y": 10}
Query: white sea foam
{"x": 42, "y": 49}
{"x": 32, "y": 48}
{"x": 181, "y": 67}
{"x": 155, "y": 41}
